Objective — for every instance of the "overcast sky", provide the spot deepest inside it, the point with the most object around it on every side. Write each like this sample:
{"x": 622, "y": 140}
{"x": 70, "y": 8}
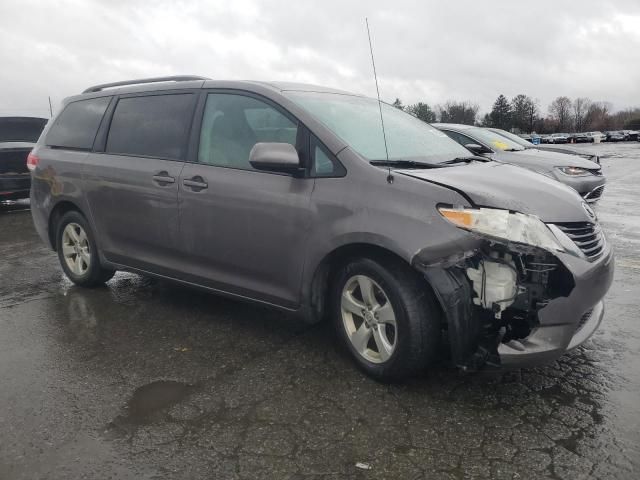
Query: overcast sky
{"x": 428, "y": 51}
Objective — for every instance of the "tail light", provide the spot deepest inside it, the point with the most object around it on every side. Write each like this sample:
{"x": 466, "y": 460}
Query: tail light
{"x": 32, "y": 161}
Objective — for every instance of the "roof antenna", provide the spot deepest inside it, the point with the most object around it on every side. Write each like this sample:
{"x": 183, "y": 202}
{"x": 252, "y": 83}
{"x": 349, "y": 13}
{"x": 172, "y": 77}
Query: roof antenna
{"x": 375, "y": 76}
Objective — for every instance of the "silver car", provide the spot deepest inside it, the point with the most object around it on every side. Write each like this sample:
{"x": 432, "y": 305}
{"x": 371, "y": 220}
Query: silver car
{"x": 582, "y": 175}
{"x": 293, "y": 196}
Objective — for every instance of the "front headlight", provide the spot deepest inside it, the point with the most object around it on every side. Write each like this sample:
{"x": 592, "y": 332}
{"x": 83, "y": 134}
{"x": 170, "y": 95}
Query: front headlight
{"x": 574, "y": 171}
{"x": 504, "y": 225}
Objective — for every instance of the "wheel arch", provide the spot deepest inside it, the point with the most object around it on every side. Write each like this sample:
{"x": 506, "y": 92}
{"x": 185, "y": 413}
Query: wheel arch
{"x": 56, "y": 214}
{"x": 317, "y": 290}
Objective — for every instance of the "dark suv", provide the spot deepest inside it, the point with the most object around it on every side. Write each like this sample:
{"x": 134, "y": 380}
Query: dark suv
{"x": 17, "y": 137}
{"x": 293, "y": 196}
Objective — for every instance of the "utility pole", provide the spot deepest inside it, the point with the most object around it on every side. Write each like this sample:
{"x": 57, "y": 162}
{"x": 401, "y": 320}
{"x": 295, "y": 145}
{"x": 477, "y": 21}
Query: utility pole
{"x": 50, "y": 107}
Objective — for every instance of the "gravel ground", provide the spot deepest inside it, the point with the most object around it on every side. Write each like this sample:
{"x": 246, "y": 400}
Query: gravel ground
{"x": 147, "y": 380}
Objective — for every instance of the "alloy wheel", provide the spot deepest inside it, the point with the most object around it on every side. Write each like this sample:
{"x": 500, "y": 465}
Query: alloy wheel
{"x": 369, "y": 319}
{"x": 75, "y": 249}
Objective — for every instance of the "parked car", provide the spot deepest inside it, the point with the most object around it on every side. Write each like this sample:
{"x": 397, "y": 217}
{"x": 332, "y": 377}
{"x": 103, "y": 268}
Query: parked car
{"x": 596, "y": 136}
{"x": 289, "y": 195}
{"x": 614, "y": 136}
{"x": 580, "y": 138}
{"x": 630, "y": 134}
{"x": 548, "y": 148}
{"x": 17, "y": 137}
{"x": 558, "y": 138}
{"x": 582, "y": 175}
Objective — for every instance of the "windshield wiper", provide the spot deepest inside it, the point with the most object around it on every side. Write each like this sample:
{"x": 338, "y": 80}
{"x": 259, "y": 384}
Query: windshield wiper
{"x": 515, "y": 149}
{"x": 403, "y": 164}
{"x": 465, "y": 160}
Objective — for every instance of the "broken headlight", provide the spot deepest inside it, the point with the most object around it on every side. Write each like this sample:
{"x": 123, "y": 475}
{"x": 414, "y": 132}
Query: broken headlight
{"x": 503, "y": 225}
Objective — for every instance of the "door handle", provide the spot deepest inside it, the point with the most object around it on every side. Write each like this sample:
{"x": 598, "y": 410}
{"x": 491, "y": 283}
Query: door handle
{"x": 196, "y": 183}
{"x": 163, "y": 179}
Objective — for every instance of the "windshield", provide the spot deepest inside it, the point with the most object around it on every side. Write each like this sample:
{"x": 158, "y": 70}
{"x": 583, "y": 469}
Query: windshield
{"x": 513, "y": 137}
{"x": 356, "y": 120}
{"x": 492, "y": 139}
{"x": 21, "y": 129}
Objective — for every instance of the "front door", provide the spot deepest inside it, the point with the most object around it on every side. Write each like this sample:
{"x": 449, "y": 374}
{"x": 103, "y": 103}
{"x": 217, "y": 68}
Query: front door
{"x": 244, "y": 231}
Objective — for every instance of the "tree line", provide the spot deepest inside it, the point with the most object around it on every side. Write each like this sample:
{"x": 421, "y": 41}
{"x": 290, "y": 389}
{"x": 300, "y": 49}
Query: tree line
{"x": 522, "y": 114}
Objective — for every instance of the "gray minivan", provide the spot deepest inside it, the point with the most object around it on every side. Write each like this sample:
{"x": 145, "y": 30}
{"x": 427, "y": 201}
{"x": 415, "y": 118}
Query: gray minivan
{"x": 293, "y": 196}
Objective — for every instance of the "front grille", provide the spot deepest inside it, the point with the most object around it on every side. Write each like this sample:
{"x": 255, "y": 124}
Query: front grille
{"x": 584, "y": 319}
{"x": 587, "y": 236}
{"x": 594, "y": 194}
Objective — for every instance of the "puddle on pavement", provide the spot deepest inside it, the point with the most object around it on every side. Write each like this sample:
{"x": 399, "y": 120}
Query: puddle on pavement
{"x": 150, "y": 401}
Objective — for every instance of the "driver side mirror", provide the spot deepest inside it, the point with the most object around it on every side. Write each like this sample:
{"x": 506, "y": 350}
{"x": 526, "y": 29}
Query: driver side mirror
{"x": 276, "y": 157}
{"x": 477, "y": 148}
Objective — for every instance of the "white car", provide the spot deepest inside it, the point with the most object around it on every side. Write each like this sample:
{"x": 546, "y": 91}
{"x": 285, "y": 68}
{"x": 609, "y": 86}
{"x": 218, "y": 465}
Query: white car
{"x": 593, "y": 135}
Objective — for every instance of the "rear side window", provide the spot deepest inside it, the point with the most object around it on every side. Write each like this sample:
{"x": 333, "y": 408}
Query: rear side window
{"x": 151, "y": 126}
{"x": 77, "y": 125}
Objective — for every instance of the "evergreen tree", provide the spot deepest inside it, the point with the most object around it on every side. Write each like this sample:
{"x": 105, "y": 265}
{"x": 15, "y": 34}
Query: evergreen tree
{"x": 422, "y": 111}
{"x": 501, "y": 113}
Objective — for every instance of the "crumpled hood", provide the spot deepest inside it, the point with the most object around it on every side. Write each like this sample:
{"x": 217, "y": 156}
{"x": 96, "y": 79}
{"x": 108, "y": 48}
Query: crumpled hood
{"x": 544, "y": 159}
{"x": 498, "y": 185}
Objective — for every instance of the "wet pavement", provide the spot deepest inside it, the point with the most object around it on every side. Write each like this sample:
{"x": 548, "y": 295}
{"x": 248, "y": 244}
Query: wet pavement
{"x": 147, "y": 380}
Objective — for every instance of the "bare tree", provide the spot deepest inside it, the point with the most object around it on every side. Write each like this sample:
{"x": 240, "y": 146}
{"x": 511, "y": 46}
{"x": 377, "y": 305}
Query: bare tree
{"x": 580, "y": 109}
{"x": 532, "y": 111}
{"x": 524, "y": 111}
{"x": 560, "y": 110}
{"x": 398, "y": 104}
{"x": 458, "y": 112}
{"x": 598, "y": 116}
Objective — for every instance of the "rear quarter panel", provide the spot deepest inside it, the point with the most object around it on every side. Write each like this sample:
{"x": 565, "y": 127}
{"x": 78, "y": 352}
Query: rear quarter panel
{"x": 56, "y": 179}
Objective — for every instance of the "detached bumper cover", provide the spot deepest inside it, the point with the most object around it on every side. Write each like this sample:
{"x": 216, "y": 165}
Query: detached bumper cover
{"x": 566, "y": 322}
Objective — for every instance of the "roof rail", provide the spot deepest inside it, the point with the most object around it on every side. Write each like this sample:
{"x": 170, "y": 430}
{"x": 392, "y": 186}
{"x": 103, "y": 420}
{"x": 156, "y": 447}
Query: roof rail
{"x": 175, "y": 78}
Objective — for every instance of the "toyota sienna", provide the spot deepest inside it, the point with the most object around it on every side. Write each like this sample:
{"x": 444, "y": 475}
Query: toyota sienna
{"x": 294, "y": 196}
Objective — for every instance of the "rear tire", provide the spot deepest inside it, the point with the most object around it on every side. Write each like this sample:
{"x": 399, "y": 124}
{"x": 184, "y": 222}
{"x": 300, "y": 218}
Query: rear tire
{"x": 78, "y": 252}
{"x": 386, "y": 316}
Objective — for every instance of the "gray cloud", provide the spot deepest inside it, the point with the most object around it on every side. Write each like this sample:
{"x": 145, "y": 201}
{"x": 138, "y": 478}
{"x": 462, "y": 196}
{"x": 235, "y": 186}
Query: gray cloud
{"x": 430, "y": 51}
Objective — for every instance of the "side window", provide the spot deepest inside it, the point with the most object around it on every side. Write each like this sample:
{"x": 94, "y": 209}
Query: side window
{"x": 77, "y": 125}
{"x": 460, "y": 138}
{"x": 233, "y": 124}
{"x": 151, "y": 126}
{"x": 323, "y": 164}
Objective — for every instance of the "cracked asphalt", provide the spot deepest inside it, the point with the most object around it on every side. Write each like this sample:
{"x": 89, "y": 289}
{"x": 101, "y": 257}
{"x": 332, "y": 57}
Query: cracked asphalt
{"x": 148, "y": 380}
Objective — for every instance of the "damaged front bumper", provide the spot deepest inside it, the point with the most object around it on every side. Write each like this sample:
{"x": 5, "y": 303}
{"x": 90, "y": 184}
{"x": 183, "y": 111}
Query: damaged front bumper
{"x": 553, "y": 311}
{"x": 548, "y": 342}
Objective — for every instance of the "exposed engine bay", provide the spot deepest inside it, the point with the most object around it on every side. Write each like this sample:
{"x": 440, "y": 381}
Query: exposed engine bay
{"x": 505, "y": 288}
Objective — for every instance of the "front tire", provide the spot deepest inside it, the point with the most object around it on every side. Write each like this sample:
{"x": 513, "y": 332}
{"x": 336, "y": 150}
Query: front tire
{"x": 78, "y": 252}
{"x": 386, "y": 316}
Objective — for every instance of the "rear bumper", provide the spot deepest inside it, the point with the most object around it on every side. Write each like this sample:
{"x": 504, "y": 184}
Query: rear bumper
{"x": 14, "y": 186}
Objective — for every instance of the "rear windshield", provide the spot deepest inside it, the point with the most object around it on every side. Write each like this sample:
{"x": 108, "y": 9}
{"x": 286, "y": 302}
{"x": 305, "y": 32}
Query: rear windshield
{"x": 21, "y": 129}
{"x": 77, "y": 125}
{"x": 356, "y": 120}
